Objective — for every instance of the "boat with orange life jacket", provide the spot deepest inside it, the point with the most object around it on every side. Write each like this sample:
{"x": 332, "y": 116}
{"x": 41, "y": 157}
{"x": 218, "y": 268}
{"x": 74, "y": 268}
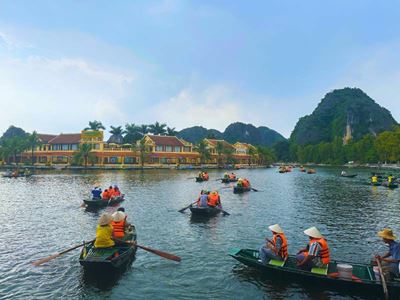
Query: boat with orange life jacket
{"x": 99, "y": 202}
{"x": 363, "y": 279}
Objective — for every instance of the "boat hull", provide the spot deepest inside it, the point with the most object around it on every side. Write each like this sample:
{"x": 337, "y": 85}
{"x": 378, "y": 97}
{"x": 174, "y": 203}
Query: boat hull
{"x": 200, "y": 179}
{"x": 204, "y": 211}
{"x": 227, "y": 180}
{"x": 240, "y": 189}
{"x": 365, "y": 283}
{"x": 97, "y": 202}
{"x": 349, "y": 176}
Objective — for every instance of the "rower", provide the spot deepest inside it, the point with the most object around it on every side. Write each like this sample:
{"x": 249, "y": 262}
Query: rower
{"x": 105, "y": 195}
{"x": 374, "y": 179}
{"x": 226, "y": 175}
{"x": 104, "y": 232}
{"x": 119, "y": 225}
{"x": 203, "y": 199}
{"x": 390, "y": 260}
{"x": 275, "y": 248}
{"x": 343, "y": 173}
{"x": 96, "y": 192}
{"x": 317, "y": 252}
{"x": 390, "y": 179}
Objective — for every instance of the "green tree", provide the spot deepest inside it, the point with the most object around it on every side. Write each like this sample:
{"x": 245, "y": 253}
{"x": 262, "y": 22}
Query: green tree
{"x": 143, "y": 150}
{"x": 228, "y": 153}
{"x": 116, "y": 135}
{"x": 84, "y": 155}
{"x": 158, "y": 128}
{"x": 171, "y": 131}
{"x": 219, "y": 148}
{"x": 95, "y": 125}
{"x": 143, "y": 129}
{"x": 204, "y": 152}
{"x": 33, "y": 142}
{"x": 132, "y": 133}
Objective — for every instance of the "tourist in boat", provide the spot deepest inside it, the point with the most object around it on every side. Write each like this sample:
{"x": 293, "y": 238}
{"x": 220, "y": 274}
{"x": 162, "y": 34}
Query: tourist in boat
{"x": 374, "y": 179}
{"x": 104, "y": 232}
{"x": 214, "y": 199}
{"x": 205, "y": 176}
{"x": 111, "y": 191}
{"x": 96, "y": 192}
{"x": 116, "y": 191}
{"x": 343, "y": 173}
{"x": 275, "y": 248}
{"x": 232, "y": 176}
{"x": 390, "y": 179}
{"x": 239, "y": 182}
{"x": 105, "y": 195}
{"x": 390, "y": 260}
{"x": 119, "y": 225}
{"x": 317, "y": 252}
{"x": 203, "y": 199}
{"x": 226, "y": 175}
{"x": 246, "y": 183}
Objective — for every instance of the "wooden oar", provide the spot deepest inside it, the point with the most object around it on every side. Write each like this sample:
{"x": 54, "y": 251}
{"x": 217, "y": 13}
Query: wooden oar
{"x": 157, "y": 252}
{"x": 185, "y": 208}
{"x": 225, "y": 212}
{"x": 384, "y": 286}
{"x": 51, "y": 257}
{"x": 254, "y": 189}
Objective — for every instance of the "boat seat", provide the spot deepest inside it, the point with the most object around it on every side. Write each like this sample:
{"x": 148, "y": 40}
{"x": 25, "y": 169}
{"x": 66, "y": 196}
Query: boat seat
{"x": 320, "y": 271}
{"x": 277, "y": 263}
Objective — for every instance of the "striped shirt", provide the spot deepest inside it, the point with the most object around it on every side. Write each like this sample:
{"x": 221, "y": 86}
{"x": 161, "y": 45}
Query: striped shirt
{"x": 314, "y": 250}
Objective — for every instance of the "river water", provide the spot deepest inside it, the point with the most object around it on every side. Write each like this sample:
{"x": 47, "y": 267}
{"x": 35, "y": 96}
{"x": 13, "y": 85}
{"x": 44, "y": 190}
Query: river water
{"x": 41, "y": 215}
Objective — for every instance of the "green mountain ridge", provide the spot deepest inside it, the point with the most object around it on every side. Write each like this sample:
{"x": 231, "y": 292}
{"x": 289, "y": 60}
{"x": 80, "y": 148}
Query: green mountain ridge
{"x": 235, "y": 132}
{"x": 345, "y": 113}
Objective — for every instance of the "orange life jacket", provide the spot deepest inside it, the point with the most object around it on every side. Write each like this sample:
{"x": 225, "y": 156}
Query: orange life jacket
{"x": 324, "y": 252}
{"x": 205, "y": 176}
{"x": 283, "y": 252}
{"x": 213, "y": 199}
{"x": 118, "y": 229}
{"x": 105, "y": 195}
{"x": 246, "y": 183}
{"x": 232, "y": 176}
{"x": 117, "y": 193}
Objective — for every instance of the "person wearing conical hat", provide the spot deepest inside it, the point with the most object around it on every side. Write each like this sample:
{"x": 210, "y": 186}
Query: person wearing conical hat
{"x": 104, "y": 232}
{"x": 316, "y": 254}
{"x": 276, "y": 248}
{"x": 118, "y": 224}
{"x": 390, "y": 260}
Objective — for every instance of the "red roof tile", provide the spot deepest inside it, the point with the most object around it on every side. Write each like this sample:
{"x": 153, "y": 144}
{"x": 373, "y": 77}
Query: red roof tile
{"x": 162, "y": 140}
{"x": 225, "y": 143}
{"x": 68, "y": 138}
{"x": 45, "y": 138}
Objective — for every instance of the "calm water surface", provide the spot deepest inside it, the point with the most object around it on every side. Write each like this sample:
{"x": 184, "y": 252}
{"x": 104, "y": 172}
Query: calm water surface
{"x": 41, "y": 215}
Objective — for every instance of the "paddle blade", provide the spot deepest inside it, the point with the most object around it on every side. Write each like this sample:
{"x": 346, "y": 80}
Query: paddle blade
{"x": 161, "y": 253}
{"x": 46, "y": 259}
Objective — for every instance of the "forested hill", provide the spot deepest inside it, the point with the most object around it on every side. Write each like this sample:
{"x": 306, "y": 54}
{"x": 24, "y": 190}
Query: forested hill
{"x": 347, "y": 113}
{"x": 246, "y": 133}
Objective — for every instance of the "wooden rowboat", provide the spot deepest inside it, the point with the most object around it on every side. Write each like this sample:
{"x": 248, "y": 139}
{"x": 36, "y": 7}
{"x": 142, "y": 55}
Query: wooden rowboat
{"x": 201, "y": 179}
{"x": 204, "y": 211}
{"x": 98, "y": 202}
{"x": 363, "y": 279}
{"x": 227, "y": 180}
{"x": 349, "y": 176}
{"x": 108, "y": 260}
{"x": 393, "y": 185}
{"x": 241, "y": 189}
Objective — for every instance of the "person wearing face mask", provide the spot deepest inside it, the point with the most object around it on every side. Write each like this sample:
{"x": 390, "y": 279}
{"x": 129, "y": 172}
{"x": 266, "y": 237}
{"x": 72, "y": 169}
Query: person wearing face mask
{"x": 390, "y": 260}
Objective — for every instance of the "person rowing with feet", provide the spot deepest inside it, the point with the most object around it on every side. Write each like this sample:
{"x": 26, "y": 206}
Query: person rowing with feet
{"x": 390, "y": 260}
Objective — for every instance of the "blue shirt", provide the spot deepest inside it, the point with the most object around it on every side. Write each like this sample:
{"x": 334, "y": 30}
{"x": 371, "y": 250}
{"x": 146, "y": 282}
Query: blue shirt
{"x": 394, "y": 250}
{"x": 203, "y": 200}
{"x": 96, "y": 193}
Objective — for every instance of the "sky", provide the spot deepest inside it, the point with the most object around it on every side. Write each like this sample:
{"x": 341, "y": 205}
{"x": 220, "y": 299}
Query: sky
{"x": 188, "y": 63}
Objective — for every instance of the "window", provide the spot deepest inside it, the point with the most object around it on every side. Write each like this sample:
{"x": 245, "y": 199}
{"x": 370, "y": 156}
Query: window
{"x": 129, "y": 160}
{"x": 64, "y": 147}
{"x": 159, "y": 149}
{"x": 186, "y": 149}
{"x": 168, "y": 148}
{"x": 177, "y": 149}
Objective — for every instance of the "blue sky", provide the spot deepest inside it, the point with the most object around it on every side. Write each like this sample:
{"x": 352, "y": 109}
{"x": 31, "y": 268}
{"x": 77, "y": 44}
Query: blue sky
{"x": 186, "y": 63}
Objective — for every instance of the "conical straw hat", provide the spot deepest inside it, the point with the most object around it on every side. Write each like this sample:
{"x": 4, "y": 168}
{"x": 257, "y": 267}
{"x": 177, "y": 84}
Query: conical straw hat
{"x": 275, "y": 228}
{"x": 105, "y": 219}
{"x": 313, "y": 232}
{"x": 387, "y": 234}
{"x": 118, "y": 216}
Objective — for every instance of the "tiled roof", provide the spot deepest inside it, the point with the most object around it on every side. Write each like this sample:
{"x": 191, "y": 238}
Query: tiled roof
{"x": 68, "y": 138}
{"x": 45, "y": 138}
{"x": 162, "y": 140}
{"x": 225, "y": 143}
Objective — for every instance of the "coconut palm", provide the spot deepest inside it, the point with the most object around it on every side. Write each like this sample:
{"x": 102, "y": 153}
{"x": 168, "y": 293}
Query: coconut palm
{"x": 84, "y": 155}
{"x": 14, "y": 146}
{"x": 5, "y": 153}
{"x": 253, "y": 154}
{"x": 157, "y": 128}
{"x": 33, "y": 141}
{"x": 143, "y": 129}
{"x": 219, "y": 148}
{"x": 95, "y": 125}
{"x": 203, "y": 151}
{"x": 132, "y": 133}
{"x": 228, "y": 153}
{"x": 171, "y": 131}
{"x": 116, "y": 135}
{"x": 143, "y": 150}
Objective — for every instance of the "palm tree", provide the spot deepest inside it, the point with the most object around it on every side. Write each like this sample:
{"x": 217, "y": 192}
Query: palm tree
{"x": 143, "y": 150}
{"x": 116, "y": 135}
{"x": 253, "y": 154}
{"x": 171, "y": 131}
{"x": 203, "y": 151}
{"x": 228, "y": 152}
{"x": 84, "y": 154}
{"x": 132, "y": 133}
{"x": 33, "y": 142}
{"x": 157, "y": 128}
{"x": 143, "y": 129}
{"x": 95, "y": 125}
{"x": 219, "y": 148}
{"x": 14, "y": 146}
{"x": 5, "y": 152}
